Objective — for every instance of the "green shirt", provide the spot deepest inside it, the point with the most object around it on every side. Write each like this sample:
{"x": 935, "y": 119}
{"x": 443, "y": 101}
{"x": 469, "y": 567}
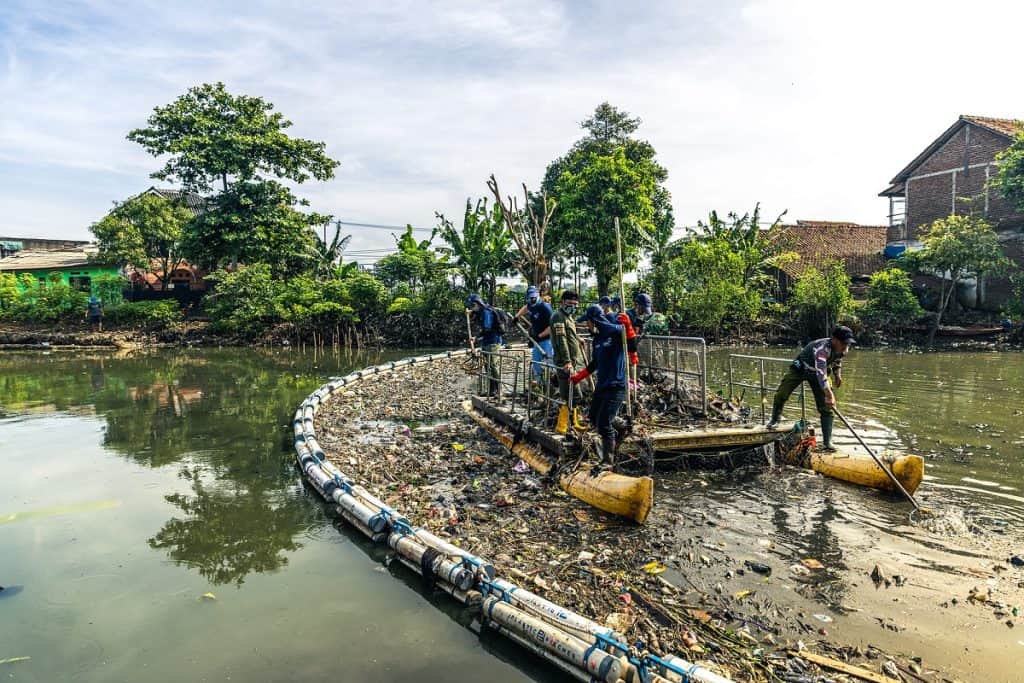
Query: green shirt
{"x": 565, "y": 340}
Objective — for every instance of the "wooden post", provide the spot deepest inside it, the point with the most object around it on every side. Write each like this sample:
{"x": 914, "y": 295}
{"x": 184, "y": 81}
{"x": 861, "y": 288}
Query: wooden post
{"x": 622, "y": 303}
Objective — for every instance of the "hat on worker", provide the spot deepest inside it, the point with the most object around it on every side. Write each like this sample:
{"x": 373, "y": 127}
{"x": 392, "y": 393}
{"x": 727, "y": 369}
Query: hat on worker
{"x": 592, "y": 312}
{"x": 844, "y": 334}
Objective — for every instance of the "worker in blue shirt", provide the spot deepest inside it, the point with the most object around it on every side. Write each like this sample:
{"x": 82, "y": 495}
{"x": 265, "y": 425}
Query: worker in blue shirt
{"x": 490, "y": 330}
{"x": 609, "y": 362}
{"x": 538, "y": 312}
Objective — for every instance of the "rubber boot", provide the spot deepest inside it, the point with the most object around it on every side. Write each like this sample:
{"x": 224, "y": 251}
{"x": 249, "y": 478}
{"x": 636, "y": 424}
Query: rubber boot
{"x": 576, "y": 423}
{"x": 562, "y": 423}
{"x": 827, "y": 421}
{"x": 774, "y": 422}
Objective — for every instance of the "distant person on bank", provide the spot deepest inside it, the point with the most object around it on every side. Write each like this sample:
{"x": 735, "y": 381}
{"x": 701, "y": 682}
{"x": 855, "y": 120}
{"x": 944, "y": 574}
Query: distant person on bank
{"x": 94, "y": 312}
{"x": 817, "y": 360}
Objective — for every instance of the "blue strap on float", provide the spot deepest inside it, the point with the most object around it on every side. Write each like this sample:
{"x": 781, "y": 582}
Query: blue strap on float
{"x": 686, "y": 674}
{"x": 397, "y": 522}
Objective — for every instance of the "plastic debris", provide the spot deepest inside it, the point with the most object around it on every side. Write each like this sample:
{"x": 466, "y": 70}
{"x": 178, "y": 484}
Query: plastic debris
{"x": 13, "y": 660}
{"x": 654, "y": 567}
{"x": 208, "y": 597}
{"x": 811, "y": 563}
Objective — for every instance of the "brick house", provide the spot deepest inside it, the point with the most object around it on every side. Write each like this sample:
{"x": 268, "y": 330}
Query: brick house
{"x": 951, "y": 176}
{"x": 858, "y": 247}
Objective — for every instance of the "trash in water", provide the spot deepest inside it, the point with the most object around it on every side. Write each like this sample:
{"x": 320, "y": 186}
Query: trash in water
{"x": 208, "y": 597}
{"x": 654, "y": 567}
{"x": 12, "y": 660}
{"x": 812, "y": 564}
{"x": 758, "y": 567}
{"x": 823, "y": 618}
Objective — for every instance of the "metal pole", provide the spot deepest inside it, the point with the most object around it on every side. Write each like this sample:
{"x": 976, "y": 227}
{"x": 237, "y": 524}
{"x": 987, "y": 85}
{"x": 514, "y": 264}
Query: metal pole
{"x": 730, "y": 378}
{"x": 763, "y": 392}
{"x": 704, "y": 377}
{"x": 877, "y": 460}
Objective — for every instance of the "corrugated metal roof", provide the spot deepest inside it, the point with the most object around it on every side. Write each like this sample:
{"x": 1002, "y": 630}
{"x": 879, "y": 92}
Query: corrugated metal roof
{"x": 194, "y": 202}
{"x": 47, "y": 260}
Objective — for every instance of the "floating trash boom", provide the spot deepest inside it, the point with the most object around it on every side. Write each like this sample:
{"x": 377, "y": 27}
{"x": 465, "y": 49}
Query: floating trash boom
{"x": 575, "y": 644}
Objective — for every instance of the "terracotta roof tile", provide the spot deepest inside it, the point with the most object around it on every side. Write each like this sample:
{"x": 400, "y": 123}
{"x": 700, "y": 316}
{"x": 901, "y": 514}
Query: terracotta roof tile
{"x": 1003, "y": 126}
{"x": 857, "y": 247}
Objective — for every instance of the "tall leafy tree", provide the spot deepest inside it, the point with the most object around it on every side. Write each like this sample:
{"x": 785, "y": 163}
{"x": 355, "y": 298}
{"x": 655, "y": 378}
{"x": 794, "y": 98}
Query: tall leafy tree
{"x": 609, "y": 131}
{"x": 482, "y": 249}
{"x": 603, "y": 188}
{"x": 254, "y": 222}
{"x": 145, "y": 232}
{"x": 212, "y": 136}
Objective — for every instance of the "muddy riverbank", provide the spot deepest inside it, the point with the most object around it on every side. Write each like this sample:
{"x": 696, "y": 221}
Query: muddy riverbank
{"x": 734, "y": 569}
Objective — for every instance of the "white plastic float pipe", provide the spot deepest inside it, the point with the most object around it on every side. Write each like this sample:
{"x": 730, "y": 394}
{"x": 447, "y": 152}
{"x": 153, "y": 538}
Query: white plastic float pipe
{"x": 601, "y": 665}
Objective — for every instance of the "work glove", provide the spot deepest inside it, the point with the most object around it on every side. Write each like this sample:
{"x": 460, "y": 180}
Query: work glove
{"x": 579, "y": 376}
{"x": 633, "y": 358}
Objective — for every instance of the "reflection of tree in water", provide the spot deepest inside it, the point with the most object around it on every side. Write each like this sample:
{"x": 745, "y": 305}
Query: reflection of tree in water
{"x": 223, "y": 415}
{"x": 229, "y": 532}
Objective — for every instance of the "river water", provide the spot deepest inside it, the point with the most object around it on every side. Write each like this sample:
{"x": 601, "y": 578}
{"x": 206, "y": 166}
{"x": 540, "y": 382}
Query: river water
{"x": 153, "y": 527}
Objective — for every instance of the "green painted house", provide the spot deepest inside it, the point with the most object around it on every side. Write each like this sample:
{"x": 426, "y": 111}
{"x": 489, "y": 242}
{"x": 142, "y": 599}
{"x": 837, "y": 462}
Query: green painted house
{"x": 74, "y": 266}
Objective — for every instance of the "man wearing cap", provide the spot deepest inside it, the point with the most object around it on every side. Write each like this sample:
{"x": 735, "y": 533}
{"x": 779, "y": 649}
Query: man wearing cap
{"x": 643, "y": 308}
{"x": 565, "y": 342}
{"x": 539, "y": 314}
{"x": 609, "y": 362}
{"x": 490, "y": 338}
{"x": 815, "y": 363}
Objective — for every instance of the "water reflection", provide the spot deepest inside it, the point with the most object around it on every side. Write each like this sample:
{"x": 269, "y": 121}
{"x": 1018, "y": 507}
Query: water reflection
{"x": 221, "y": 417}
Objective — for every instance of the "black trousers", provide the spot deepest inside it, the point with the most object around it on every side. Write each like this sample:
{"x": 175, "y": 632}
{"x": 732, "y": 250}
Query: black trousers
{"x": 604, "y": 406}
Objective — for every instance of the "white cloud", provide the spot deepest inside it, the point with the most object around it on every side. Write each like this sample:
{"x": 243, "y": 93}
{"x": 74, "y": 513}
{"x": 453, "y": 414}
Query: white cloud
{"x": 808, "y": 106}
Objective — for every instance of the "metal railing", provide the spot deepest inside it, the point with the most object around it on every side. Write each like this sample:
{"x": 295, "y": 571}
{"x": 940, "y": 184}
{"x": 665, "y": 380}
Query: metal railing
{"x": 520, "y": 387}
{"x": 762, "y": 385}
{"x": 670, "y": 355}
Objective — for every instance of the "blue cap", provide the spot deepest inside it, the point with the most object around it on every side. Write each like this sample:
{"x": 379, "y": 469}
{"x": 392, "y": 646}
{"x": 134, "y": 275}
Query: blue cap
{"x": 644, "y": 302}
{"x": 474, "y": 299}
{"x": 532, "y": 292}
{"x": 604, "y": 301}
{"x": 593, "y": 312}
{"x": 93, "y": 300}
{"x": 616, "y": 301}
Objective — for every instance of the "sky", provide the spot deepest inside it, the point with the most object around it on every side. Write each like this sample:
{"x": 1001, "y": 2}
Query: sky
{"x": 805, "y": 107}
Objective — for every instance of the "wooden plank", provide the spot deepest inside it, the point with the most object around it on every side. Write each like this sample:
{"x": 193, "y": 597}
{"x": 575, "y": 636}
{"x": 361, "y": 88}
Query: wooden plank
{"x": 551, "y": 443}
{"x": 707, "y": 439}
{"x": 849, "y": 669}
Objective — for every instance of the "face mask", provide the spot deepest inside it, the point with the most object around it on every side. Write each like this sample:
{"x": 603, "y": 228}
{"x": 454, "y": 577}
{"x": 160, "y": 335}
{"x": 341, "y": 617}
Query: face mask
{"x": 476, "y": 308}
{"x": 570, "y": 309}
{"x": 531, "y": 301}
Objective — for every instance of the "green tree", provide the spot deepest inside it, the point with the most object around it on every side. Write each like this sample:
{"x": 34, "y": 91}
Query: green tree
{"x": 891, "y": 304}
{"x": 820, "y": 298}
{"x": 705, "y": 285}
{"x": 328, "y": 255}
{"x": 211, "y": 135}
{"x": 244, "y": 301}
{"x": 253, "y": 222}
{"x": 606, "y": 187}
{"x": 482, "y": 249}
{"x": 957, "y": 248}
{"x": 9, "y": 291}
{"x": 1009, "y": 178}
{"x": 761, "y": 249}
{"x": 145, "y": 232}
{"x": 414, "y": 264}
{"x": 608, "y": 130}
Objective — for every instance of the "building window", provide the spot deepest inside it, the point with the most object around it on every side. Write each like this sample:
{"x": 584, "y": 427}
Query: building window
{"x": 81, "y": 283}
